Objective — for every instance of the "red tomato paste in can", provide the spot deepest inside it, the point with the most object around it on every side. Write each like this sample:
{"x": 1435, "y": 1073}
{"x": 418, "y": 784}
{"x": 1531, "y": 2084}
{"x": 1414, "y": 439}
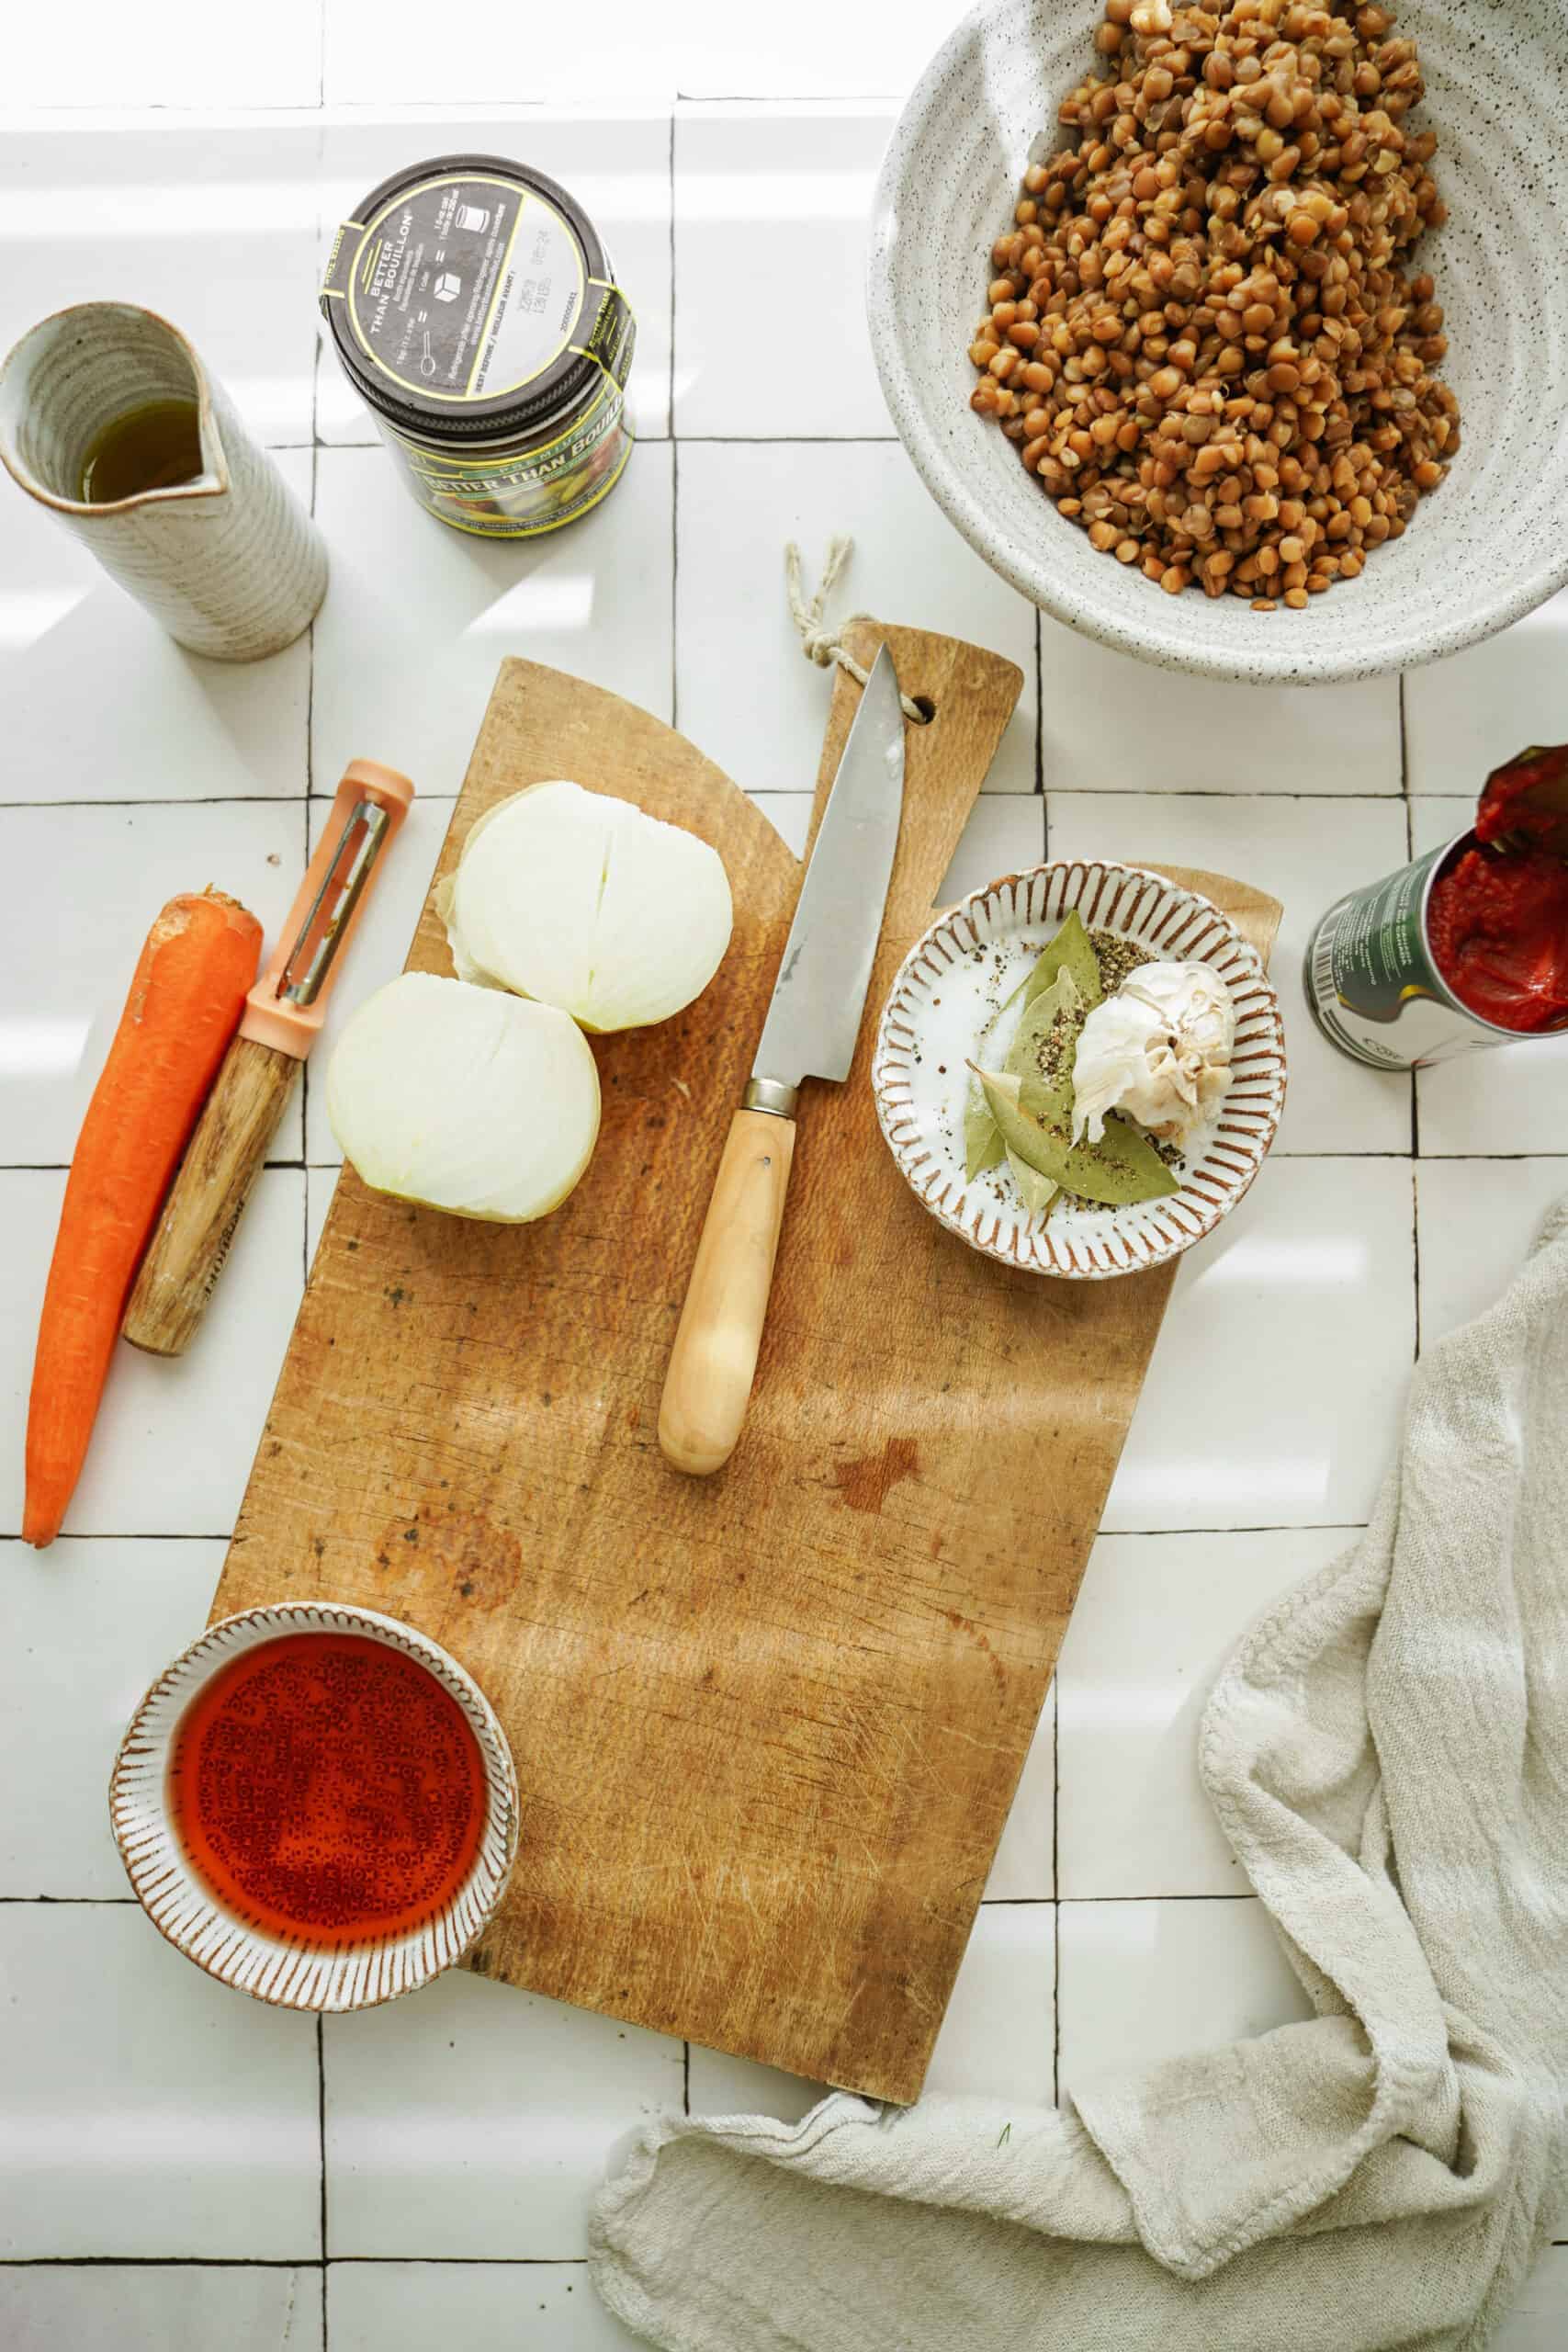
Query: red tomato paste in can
{"x": 1468, "y": 946}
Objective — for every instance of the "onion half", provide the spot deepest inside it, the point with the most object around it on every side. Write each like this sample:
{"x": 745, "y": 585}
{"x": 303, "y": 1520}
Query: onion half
{"x": 589, "y": 903}
{"x": 464, "y": 1099}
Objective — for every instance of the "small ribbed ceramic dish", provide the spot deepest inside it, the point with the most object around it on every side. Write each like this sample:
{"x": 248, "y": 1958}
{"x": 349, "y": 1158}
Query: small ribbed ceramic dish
{"x": 293, "y": 1971}
{"x": 942, "y": 1000}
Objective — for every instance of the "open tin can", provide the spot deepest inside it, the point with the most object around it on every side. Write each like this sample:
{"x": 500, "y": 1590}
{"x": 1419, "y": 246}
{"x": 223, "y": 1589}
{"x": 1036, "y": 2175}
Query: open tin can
{"x": 473, "y": 308}
{"x": 1372, "y": 981}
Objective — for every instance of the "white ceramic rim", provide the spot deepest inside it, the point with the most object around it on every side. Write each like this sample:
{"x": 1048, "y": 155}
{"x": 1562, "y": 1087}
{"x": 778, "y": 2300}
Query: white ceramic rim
{"x": 1176, "y": 923}
{"x": 1427, "y": 639}
{"x": 291, "y": 1971}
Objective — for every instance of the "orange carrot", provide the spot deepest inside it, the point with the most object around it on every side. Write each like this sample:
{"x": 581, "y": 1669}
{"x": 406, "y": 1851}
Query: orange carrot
{"x": 183, "y": 1006}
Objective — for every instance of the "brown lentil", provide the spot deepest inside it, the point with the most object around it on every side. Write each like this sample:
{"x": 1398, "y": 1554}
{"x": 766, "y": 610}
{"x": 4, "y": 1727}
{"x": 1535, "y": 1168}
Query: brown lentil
{"x": 1202, "y": 306}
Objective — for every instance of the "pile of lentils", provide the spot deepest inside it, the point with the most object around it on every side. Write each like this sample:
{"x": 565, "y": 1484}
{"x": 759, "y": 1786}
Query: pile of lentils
{"x": 1198, "y": 335}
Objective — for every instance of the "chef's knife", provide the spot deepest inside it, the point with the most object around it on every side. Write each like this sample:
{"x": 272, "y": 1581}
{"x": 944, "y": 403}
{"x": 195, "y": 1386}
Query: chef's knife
{"x": 810, "y": 1032}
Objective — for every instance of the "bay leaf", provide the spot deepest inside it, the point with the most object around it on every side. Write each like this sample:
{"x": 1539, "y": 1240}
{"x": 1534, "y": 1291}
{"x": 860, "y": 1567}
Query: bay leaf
{"x": 1072, "y": 951}
{"x": 1065, "y": 978}
{"x": 1122, "y": 1168}
{"x": 1058, "y": 1000}
{"x": 1036, "y": 1191}
{"x": 983, "y": 1145}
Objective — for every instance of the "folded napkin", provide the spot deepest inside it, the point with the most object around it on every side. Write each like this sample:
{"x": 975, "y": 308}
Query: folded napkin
{"x": 1388, "y": 1753}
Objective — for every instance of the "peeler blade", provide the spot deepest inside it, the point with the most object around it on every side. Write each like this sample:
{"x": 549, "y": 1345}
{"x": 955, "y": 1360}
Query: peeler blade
{"x": 316, "y": 942}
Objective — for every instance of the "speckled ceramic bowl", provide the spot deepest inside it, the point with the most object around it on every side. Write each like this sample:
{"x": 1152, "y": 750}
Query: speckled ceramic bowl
{"x": 292, "y": 1972}
{"x": 932, "y": 1020}
{"x": 1490, "y": 543}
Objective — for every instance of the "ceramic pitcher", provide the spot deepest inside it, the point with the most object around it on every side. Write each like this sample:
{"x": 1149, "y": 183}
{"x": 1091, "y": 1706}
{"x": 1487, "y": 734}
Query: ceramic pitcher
{"x": 229, "y": 562}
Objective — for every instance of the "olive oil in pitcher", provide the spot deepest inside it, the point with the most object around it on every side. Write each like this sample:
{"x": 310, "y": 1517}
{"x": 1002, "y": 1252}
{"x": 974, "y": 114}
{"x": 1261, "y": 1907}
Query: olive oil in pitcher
{"x": 156, "y": 447}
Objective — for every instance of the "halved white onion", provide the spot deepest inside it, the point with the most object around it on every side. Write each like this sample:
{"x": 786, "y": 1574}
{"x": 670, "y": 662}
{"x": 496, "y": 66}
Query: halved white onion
{"x": 589, "y": 903}
{"x": 464, "y": 1099}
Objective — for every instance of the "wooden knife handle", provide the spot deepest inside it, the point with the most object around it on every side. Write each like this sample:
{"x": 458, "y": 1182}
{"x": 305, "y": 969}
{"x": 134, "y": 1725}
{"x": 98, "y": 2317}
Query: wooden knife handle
{"x": 196, "y": 1224}
{"x": 714, "y": 1357}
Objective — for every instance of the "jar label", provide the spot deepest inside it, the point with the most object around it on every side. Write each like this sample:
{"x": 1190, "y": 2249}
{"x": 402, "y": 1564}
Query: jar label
{"x": 1373, "y": 985}
{"x": 464, "y": 287}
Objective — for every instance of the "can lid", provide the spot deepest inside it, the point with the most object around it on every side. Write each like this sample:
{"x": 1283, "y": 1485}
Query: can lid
{"x": 470, "y": 297}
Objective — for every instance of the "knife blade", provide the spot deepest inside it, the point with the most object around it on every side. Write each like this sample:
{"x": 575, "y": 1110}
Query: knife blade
{"x": 820, "y": 996}
{"x": 812, "y": 1023}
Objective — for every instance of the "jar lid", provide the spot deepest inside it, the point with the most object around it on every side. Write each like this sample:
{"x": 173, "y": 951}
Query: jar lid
{"x": 470, "y": 297}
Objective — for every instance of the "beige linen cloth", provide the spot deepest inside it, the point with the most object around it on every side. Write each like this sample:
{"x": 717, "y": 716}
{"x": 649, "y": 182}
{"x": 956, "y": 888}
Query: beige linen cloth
{"x": 1387, "y": 1750}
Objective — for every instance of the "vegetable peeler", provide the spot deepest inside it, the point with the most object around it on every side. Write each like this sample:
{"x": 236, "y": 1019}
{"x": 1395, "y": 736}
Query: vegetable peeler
{"x": 280, "y": 1024}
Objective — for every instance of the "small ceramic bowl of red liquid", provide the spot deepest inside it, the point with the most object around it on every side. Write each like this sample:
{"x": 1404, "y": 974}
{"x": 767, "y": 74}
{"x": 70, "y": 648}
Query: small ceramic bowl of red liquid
{"x": 317, "y": 1806}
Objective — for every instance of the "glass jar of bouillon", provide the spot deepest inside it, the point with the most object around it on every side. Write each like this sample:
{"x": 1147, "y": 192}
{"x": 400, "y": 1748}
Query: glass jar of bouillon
{"x": 475, "y": 312}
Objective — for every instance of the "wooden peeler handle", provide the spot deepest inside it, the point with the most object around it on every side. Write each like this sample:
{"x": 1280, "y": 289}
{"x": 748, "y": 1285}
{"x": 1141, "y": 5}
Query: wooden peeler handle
{"x": 196, "y": 1224}
{"x": 714, "y": 1360}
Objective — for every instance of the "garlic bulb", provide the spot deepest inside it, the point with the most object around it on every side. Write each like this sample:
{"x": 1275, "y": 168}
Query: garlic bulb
{"x": 1159, "y": 1049}
{"x": 587, "y": 903}
{"x": 464, "y": 1099}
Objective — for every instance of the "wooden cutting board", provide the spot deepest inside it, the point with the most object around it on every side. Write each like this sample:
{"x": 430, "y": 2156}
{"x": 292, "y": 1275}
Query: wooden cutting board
{"x": 767, "y": 1725}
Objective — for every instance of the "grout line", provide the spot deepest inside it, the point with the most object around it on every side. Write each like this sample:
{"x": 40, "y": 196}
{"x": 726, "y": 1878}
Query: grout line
{"x": 791, "y": 440}
{"x": 78, "y": 1902}
{"x": 674, "y": 463}
{"x": 225, "y": 1535}
{"x": 190, "y": 800}
{"x": 672, "y": 408}
{"x": 321, "y": 2142}
{"x": 1038, "y": 705}
{"x": 59, "y": 1166}
{"x": 1076, "y": 791}
{"x": 458, "y": 2261}
{"x": 1249, "y": 1896}
{"x": 160, "y": 2262}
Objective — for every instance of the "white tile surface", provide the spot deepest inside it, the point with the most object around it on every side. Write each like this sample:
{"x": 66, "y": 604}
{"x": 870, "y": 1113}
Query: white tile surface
{"x": 150, "y": 2111}
{"x": 1004, "y": 834}
{"x": 1235, "y": 1430}
{"x": 85, "y": 1627}
{"x": 175, "y": 1437}
{"x": 790, "y": 187}
{"x": 617, "y": 169}
{"x": 321, "y": 1183}
{"x": 1502, "y": 1098}
{"x": 1141, "y": 1982}
{"x": 96, "y": 880}
{"x": 789, "y": 813}
{"x": 97, "y": 703}
{"x": 1478, "y": 1221}
{"x": 745, "y": 691}
{"x": 418, "y": 618}
{"x": 1155, "y": 1618}
{"x": 470, "y": 2118}
{"x": 1114, "y": 724}
{"x": 1306, "y": 853}
{"x": 528, "y": 2307}
{"x": 382, "y": 941}
{"x": 170, "y": 215}
{"x": 720, "y": 2085}
{"x": 159, "y": 2309}
{"x": 1025, "y": 1866}
{"x": 998, "y": 2040}
{"x": 691, "y": 47}
{"x": 472, "y": 2121}
{"x": 1466, "y": 716}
